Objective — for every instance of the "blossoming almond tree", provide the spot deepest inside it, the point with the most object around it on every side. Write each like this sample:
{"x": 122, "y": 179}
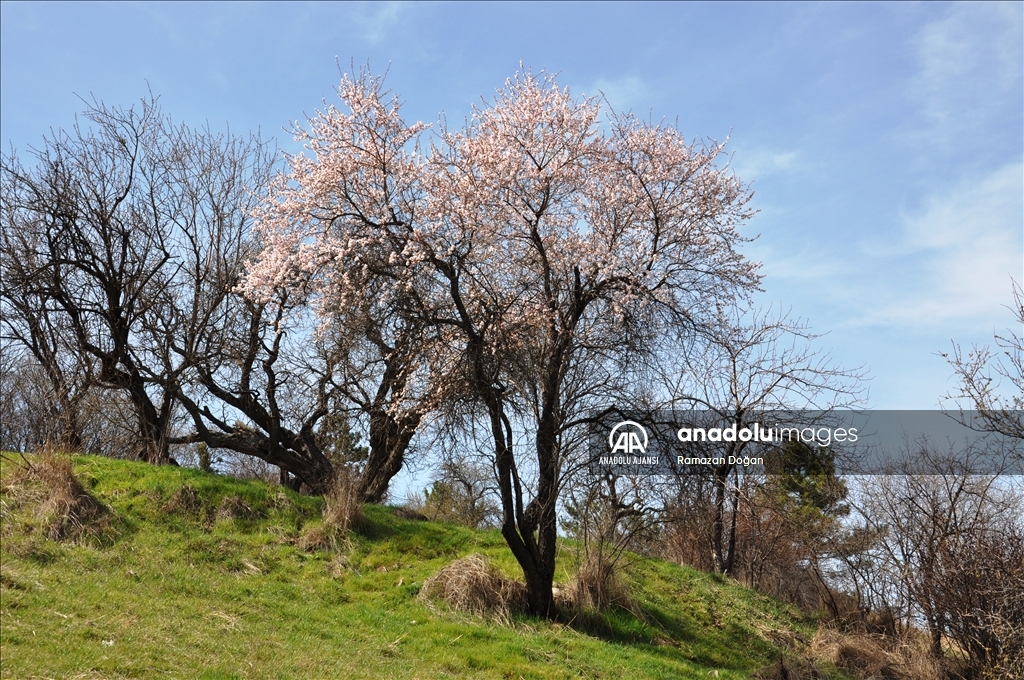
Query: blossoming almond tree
{"x": 333, "y": 228}
{"x": 520, "y": 246}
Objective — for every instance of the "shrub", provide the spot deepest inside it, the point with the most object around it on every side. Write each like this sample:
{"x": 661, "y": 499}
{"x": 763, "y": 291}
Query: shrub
{"x": 472, "y": 584}
{"x": 597, "y": 584}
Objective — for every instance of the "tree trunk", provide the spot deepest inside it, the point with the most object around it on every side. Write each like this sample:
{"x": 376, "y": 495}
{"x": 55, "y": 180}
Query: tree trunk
{"x": 519, "y": 523}
{"x": 535, "y": 552}
{"x": 718, "y": 525}
{"x": 389, "y": 440}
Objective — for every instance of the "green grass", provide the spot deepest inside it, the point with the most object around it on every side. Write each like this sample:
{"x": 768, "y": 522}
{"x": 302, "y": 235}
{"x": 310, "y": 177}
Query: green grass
{"x": 171, "y": 588}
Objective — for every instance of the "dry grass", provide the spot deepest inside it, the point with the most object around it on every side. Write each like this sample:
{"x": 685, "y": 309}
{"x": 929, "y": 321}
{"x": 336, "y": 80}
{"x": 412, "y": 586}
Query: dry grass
{"x": 472, "y": 584}
{"x": 185, "y": 500}
{"x": 597, "y": 586}
{"x": 343, "y": 508}
{"x": 342, "y": 514}
{"x": 863, "y": 654}
{"x": 876, "y": 656}
{"x": 233, "y": 507}
{"x": 316, "y": 536}
{"x": 44, "y": 492}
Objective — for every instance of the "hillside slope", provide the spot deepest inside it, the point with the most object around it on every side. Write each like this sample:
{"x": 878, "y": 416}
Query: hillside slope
{"x": 185, "y": 574}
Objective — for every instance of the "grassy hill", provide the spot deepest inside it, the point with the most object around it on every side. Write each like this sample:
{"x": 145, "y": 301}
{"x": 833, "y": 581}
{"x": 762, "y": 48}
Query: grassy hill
{"x": 178, "y": 573}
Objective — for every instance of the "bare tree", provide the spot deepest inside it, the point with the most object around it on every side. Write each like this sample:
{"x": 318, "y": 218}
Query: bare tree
{"x": 748, "y": 361}
{"x": 992, "y": 381}
{"x": 249, "y": 391}
{"x": 34, "y": 336}
{"x": 121, "y": 242}
{"x": 122, "y": 248}
{"x": 88, "y": 218}
{"x": 31, "y": 416}
{"x": 949, "y": 553}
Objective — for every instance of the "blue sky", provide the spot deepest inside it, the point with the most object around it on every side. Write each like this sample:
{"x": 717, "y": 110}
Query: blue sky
{"x": 885, "y": 142}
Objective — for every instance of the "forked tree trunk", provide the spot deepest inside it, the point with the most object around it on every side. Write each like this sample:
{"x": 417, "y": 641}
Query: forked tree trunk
{"x": 389, "y": 440}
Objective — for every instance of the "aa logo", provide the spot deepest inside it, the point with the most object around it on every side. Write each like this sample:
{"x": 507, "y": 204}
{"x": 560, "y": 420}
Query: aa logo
{"x": 628, "y": 437}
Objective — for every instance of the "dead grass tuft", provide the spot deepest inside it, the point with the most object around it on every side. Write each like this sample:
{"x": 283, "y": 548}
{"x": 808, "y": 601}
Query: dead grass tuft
{"x": 46, "y": 492}
{"x": 281, "y": 501}
{"x": 343, "y": 507}
{"x": 597, "y": 586}
{"x": 233, "y": 507}
{"x": 790, "y": 669}
{"x": 317, "y": 536}
{"x": 473, "y": 585}
{"x": 185, "y": 500}
{"x": 342, "y": 514}
{"x": 876, "y": 656}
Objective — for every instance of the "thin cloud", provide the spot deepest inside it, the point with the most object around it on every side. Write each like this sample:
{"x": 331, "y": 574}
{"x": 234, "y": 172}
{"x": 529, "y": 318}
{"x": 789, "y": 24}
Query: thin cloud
{"x": 623, "y": 94}
{"x": 377, "y": 21}
{"x": 969, "y": 67}
{"x": 951, "y": 262}
{"x": 947, "y": 265}
{"x": 757, "y": 164}
{"x": 971, "y": 238}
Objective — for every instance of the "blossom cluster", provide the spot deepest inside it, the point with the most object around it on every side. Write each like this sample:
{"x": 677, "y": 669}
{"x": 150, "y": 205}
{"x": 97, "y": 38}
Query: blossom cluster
{"x": 530, "y": 224}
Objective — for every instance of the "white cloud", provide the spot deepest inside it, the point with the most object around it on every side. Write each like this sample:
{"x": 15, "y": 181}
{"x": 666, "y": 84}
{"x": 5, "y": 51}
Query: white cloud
{"x": 624, "y": 94}
{"x": 953, "y": 259}
{"x": 378, "y": 20}
{"x": 756, "y": 164}
{"x": 971, "y": 238}
{"x": 970, "y": 67}
{"x": 945, "y": 267}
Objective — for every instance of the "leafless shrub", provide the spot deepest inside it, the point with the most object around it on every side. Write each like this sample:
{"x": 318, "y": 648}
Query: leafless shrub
{"x": 472, "y": 584}
{"x": 992, "y": 380}
{"x": 948, "y": 555}
{"x": 689, "y": 513}
{"x": 606, "y": 521}
{"x": 462, "y": 491}
{"x": 985, "y": 598}
{"x": 598, "y": 585}
{"x": 1006, "y": 667}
